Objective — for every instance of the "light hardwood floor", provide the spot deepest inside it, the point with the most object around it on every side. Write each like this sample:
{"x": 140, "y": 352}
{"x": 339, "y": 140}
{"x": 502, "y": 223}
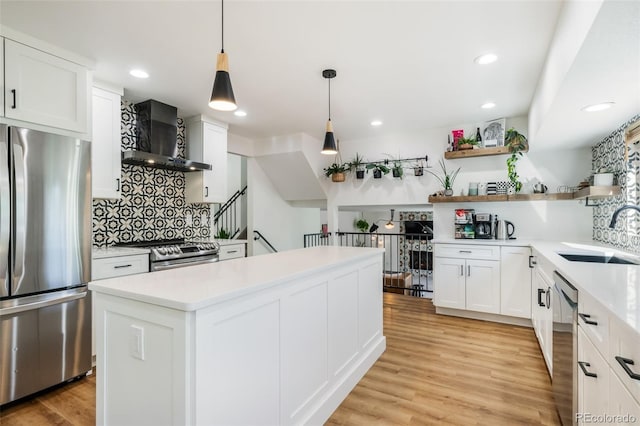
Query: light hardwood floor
{"x": 437, "y": 370}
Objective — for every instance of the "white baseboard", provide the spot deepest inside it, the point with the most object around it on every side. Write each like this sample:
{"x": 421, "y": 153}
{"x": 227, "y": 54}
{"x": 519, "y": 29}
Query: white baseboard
{"x": 503, "y": 319}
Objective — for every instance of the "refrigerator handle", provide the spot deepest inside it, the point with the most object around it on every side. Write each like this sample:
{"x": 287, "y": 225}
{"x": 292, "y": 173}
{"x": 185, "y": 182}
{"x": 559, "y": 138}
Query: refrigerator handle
{"x": 41, "y": 304}
{"x": 5, "y": 214}
{"x": 20, "y": 216}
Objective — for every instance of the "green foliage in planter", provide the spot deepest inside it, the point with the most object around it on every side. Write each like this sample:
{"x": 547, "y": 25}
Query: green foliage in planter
{"x": 380, "y": 167}
{"x": 357, "y": 163}
{"x": 516, "y": 142}
{"x": 448, "y": 178}
{"x": 336, "y": 168}
{"x": 362, "y": 225}
{"x": 222, "y": 234}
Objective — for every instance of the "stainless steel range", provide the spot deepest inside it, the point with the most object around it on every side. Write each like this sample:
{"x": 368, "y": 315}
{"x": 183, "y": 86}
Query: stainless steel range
{"x": 169, "y": 254}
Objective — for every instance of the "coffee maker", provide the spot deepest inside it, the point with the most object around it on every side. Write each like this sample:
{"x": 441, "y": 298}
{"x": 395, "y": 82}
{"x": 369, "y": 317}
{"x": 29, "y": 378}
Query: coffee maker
{"x": 483, "y": 223}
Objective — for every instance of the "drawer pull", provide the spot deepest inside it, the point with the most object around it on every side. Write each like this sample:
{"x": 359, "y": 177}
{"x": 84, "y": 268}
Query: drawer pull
{"x": 464, "y": 251}
{"x": 232, "y": 251}
{"x": 585, "y": 318}
{"x": 123, "y": 266}
{"x": 583, "y": 366}
{"x": 625, "y": 363}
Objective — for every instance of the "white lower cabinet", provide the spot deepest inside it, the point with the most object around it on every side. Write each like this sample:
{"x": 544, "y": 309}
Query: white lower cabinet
{"x": 515, "y": 281}
{"x": 232, "y": 251}
{"x": 110, "y": 267}
{"x": 593, "y": 380}
{"x": 470, "y": 282}
{"x": 623, "y": 408}
{"x": 541, "y": 312}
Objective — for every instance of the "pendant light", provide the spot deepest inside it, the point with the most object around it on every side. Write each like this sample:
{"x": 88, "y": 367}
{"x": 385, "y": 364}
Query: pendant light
{"x": 222, "y": 97}
{"x": 329, "y": 147}
{"x": 390, "y": 225}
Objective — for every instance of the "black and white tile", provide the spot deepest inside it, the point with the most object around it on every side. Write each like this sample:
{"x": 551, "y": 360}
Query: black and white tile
{"x": 610, "y": 153}
{"x": 152, "y": 204}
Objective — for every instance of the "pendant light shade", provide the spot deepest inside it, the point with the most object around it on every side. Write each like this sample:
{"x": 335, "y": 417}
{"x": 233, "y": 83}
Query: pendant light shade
{"x": 329, "y": 147}
{"x": 222, "y": 98}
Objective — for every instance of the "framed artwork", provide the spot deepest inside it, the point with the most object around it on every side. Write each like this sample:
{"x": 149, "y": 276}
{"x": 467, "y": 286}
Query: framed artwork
{"x": 493, "y": 133}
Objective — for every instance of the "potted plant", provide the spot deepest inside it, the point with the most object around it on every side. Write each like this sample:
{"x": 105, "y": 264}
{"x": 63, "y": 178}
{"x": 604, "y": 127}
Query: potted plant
{"x": 447, "y": 179}
{"x": 222, "y": 234}
{"x": 397, "y": 170}
{"x": 466, "y": 143}
{"x": 357, "y": 164}
{"x": 418, "y": 168}
{"x": 378, "y": 169}
{"x": 336, "y": 172}
{"x": 362, "y": 225}
{"x": 516, "y": 142}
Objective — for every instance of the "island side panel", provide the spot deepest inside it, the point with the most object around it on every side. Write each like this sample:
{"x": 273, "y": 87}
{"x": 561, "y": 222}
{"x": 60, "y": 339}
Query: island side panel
{"x": 141, "y": 358}
{"x": 289, "y": 354}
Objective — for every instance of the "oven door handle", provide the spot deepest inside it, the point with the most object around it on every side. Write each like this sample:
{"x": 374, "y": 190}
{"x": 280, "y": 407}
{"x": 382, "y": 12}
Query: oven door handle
{"x": 162, "y": 266}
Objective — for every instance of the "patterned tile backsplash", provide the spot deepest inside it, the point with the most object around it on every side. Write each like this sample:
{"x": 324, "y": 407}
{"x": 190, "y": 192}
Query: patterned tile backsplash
{"x": 152, "y": 204}
{"x": 609, "y": 153}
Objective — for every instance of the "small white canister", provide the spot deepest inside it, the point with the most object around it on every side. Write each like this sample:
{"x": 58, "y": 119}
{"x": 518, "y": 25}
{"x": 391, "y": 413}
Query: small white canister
{"x": 603, "y": 179}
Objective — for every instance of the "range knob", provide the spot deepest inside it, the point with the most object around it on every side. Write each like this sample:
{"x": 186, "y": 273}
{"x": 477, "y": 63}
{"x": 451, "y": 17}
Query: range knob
{"x": 175, "y": 250}
{"x": 162, "y": 250}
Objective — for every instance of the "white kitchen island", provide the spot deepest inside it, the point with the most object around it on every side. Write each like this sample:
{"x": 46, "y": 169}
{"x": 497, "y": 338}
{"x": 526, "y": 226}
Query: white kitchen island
{"x": 264, "y": 340}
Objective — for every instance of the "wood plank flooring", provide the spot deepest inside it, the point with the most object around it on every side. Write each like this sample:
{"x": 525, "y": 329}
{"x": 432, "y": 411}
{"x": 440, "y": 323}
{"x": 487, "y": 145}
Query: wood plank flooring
{"x": 437, "y": 370}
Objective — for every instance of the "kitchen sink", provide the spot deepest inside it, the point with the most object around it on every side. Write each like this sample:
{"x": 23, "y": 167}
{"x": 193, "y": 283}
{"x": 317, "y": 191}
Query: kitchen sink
{"x": 597, "y": 258}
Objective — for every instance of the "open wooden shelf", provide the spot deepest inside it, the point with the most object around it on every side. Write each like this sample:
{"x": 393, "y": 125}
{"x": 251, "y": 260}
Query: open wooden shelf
{"x": 596, "y": 192}
{"x": 480, "y": 152}
{"x": 492, "y": 198}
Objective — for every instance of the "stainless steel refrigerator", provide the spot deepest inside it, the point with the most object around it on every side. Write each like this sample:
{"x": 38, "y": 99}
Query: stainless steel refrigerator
{"x": 45, "y": 260}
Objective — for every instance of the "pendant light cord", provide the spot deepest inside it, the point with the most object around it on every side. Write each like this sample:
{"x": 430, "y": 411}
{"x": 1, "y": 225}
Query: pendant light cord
{"x": 329, "y": 98}
{"x": 222, "y": 19}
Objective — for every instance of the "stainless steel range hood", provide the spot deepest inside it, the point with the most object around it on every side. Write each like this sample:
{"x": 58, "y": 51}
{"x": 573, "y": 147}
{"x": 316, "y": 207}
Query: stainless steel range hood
{"x": 157, "y": 139}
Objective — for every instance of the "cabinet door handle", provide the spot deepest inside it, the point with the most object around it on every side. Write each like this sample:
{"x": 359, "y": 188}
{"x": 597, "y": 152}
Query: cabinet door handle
{"x": 462, "y": 270}
{"x": 118, "y": 185}
{"x": 206, "y": 191}
{"x": 549, "y": 298}
{"x": 468, "y": 270}
{"x": 585, "y": 318}
{"x": 532, "y": 261}
{"x": 583, "y": 366}
{"x": 625, "y": 363}
{"x": 540, "y": 302}
{"x": 123, "y": 266}
{"x": 13, "y": 93}
{"x": 464, "y": 251}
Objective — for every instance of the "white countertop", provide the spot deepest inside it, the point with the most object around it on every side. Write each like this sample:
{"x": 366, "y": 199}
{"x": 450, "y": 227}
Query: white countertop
{"x": 195, "y": 287}
{"x": 104, "y": 252}
{"x": 615, "y": 286}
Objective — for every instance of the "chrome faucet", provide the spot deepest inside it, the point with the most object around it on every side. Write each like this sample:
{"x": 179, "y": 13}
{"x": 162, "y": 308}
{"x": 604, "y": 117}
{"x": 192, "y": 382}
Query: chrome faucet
{"x": 617, "y": 212}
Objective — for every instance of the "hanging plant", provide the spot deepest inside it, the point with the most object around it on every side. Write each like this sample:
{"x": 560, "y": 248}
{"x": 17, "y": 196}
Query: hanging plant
{"x": 516, "y": 142}
{"x": 337, "y": 171}
{"x": 378, "y": 169}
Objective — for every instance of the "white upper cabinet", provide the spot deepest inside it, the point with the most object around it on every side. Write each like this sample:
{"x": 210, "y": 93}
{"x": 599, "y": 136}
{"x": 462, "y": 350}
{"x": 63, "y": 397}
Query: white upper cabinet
{"x": 105, "y": 147}
{"x": 44, "y": 89}
{"x": 206, "y": 143}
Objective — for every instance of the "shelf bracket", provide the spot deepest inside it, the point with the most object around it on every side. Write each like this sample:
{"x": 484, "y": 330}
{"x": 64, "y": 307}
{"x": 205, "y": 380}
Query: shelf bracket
{"x": 586, "y": 203}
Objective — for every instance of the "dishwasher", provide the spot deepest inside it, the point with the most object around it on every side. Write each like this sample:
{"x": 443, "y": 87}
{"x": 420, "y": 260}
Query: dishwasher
{"x": 565, "y": 345}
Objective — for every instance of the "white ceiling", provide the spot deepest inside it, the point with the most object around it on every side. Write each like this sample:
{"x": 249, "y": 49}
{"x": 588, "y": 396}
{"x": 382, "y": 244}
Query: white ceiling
{"x": 409, "y": 64}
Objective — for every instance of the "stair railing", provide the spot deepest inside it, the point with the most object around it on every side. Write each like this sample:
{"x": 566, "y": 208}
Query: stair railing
{"x": 226, "y": 216}
{"x": 257, "y": 236}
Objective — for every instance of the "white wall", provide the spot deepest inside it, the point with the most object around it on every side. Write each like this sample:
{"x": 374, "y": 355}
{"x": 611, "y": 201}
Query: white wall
{"x": 282, "y": 224}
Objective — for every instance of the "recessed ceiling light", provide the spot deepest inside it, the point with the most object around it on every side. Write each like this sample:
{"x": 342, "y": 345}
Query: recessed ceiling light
{"x": 138, "y": 73}
{"x": 488, "y": 105}
{"x": 598, "y": 107}
{"x": 486, "y": 59}
{"x": 240, "y": 113}
{"x": 376, "y": 123}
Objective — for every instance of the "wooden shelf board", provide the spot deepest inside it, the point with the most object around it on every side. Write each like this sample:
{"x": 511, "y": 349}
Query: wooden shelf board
{"x": 493, "y": 198}
{"x": 480, "y": 152}
{"x": 596, "y": 192}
